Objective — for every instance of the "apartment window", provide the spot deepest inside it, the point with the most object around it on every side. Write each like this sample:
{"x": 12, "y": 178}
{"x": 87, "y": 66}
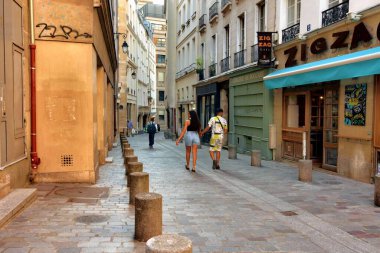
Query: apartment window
{"x": 294, "y": 10}
{"x": 179, "y": 61}
{"x": 187, "y": 92}
{"x": 193, "y": 49}
{"x": 179, "y": 20}
{"x": 161, "y": 42}
{"x": 184, "y": 14}
{"x": 213, "y": 49}
{"x": 183, "y": 93}
{"x": 161, "y": 95}
{"x": 178, "y": 95}
{"x": 227, "y": 41}
{"x": 261, "y": 12}
{"x": 188, "y": 54}
{"x": 333, "y": 3}
{"x": 203, "y": 54}
{"x": 188, "y": 9}
{"x": 161, "y": 58}
{"x": 241, "y": 32}
{"x": 161, "y": 76}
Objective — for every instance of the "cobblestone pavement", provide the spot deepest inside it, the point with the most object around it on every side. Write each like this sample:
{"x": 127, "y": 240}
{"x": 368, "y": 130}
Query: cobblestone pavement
{"x": 237, "y": 209}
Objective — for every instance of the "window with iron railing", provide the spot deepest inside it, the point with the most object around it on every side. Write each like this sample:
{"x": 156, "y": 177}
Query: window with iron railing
{"x": 225, "y": 64}
{"x": 212, "y": 70}
{"x": 239, "y": 59}
{"x": 254, "y": 53}
{"x": 202, "y": 21}
{"x": 335, "y": 13}
{"x": 225, "y": 2}
{"x": 290, "y": 33}
{"x": 213, "y": 10}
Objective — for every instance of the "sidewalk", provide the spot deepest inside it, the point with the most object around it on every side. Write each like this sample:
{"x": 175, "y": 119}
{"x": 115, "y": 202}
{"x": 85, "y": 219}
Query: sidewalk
{"x": 237, "y": 209}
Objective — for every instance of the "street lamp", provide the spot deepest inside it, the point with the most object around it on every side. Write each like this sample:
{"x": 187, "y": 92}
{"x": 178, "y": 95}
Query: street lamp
{"x": 124, "y": 46}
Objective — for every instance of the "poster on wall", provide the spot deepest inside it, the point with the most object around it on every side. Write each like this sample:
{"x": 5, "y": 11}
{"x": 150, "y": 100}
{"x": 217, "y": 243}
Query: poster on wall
{"x": 355, "y": 105}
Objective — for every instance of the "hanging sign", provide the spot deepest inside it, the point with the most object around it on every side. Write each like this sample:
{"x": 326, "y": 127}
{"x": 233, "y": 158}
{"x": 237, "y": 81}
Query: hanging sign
{"x": 264, "y": 49}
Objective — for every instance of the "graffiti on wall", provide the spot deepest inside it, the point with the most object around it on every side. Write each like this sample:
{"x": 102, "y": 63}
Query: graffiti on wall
{"x": 63, "y": 31}
{"x": 355, "y": 105}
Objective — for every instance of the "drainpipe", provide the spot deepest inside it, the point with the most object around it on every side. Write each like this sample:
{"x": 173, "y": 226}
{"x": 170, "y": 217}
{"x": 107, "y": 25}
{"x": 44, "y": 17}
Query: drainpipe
{"x": 35, "y": 160}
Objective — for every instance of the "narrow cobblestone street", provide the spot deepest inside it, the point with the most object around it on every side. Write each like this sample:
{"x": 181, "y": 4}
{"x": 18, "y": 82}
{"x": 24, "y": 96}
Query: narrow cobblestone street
{"x": 237, "y": 209}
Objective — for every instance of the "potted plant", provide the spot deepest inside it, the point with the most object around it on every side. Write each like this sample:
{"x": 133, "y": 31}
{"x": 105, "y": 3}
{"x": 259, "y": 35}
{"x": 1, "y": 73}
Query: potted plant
{"x": 199, "y": 63}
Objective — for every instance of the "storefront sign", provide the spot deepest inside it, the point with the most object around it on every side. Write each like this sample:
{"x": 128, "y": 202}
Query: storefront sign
{"x": 264, "y": 49}
{"x": 355, "y": 104}
{"x": 360, "y": 34}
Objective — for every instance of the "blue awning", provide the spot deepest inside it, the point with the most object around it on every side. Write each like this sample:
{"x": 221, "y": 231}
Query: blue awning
{"x": 362, "y": 63}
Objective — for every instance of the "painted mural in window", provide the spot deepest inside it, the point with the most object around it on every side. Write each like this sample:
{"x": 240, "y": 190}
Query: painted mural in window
{"x": 355, "y": 104}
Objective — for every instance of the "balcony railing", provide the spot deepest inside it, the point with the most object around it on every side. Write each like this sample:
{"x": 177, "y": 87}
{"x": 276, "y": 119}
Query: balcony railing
{"x": 202, "y": 22}
{"x": 225, "y": 4}
{"x": 239, "y": 59}
{"x": 201, "y": 74}
{"x": 161, "y": 44}
{"x": 212, "y": 70}
{"x": 290, "y": 33}
{"x": 185, "y": 71}
{"x": 334, "y": 14}
{"x": 225, "y": 64}
{"x": 255, "y": 53}
{"x": 213, "y": 11}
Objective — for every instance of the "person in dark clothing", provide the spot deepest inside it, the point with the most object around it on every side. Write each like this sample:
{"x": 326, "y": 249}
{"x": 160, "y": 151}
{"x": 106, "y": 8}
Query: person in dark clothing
{"x": 151, "y": 129}
{"x": 191, "y": 132}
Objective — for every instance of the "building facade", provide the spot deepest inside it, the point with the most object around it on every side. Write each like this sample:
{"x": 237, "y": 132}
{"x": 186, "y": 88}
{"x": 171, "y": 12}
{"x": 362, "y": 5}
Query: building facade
{"x": 186, "y": 50}
{"x": 76, "y": 64}
{"x": 326, "y": 86}
{"x": 155, "y": 14}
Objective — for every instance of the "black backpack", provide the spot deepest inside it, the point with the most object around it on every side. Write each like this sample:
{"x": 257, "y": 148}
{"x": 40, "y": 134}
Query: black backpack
{"x": 151, "y": 129}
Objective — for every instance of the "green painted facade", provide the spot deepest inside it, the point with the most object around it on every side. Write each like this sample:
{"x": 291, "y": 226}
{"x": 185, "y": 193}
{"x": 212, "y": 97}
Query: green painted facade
{"x": 251, "y": 111}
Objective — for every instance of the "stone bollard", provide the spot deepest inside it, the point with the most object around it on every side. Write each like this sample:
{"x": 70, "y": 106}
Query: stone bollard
{"x": 232, "y": 152}
{"x": 128, "y": 152}
{"x": 148, "y": 216}
{"x": 169, "y": 243}
{"x": 127, "y": 160}
{"x": 139, "y": 184}
{"x": 126, "y": 145}
{"x": 305, "y": 168}
{"x": 377, "y": 189}
{"x": 133, "y": 167}
{"x": 256, "y": 158}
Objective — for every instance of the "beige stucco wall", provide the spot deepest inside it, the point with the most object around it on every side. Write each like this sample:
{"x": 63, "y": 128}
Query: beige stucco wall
{"x": 355, "y": 150}
{"x": 65, "y": 111}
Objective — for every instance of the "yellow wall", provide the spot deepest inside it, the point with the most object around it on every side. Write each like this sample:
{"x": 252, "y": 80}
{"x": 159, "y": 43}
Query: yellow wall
{"x": 355, "y": 157}
{"x": 101, "y": 111}
{"x": 65, "y": 111}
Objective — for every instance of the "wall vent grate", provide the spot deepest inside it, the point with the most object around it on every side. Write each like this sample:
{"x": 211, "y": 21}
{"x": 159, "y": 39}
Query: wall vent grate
{"x": 67, "y": 160}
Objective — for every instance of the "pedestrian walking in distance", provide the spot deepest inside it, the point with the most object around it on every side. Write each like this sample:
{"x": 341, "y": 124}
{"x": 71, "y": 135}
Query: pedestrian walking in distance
{"x": 191, "y": 131}
{"x": 130, "y": 127}
{"x": 151, "y": 129}
{"x": 218, "y": 127}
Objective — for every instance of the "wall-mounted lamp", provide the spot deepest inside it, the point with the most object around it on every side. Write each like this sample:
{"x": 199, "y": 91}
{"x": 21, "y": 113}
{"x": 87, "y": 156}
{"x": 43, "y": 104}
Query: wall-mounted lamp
{"x": 124, "y": 46}
{"x": 133, "y": 75}
{"x": 302, "y": 37}
{"x": 354, "y": 16}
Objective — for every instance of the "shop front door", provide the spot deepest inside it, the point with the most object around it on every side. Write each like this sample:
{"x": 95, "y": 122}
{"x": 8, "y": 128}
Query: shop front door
{"x": 330, "y": 129}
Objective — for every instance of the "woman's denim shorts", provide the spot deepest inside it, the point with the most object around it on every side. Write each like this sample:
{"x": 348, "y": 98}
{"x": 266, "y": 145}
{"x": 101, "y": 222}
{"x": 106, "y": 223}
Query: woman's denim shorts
{"x": 192, "y": 138}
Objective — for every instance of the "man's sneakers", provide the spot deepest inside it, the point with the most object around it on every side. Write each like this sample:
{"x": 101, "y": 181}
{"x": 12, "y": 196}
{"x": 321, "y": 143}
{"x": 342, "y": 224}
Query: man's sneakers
{"x": 215, "y": 166}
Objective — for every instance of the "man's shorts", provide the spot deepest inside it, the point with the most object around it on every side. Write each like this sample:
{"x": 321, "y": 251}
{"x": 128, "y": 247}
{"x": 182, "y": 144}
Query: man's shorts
{"x": 191, "y": 138}
{"x": 216, "y": 142}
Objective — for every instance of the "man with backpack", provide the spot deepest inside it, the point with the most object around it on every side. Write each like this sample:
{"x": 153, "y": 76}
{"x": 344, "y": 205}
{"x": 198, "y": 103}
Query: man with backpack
{"x": 218, "y": 126}
{"x": 151, "y": 129}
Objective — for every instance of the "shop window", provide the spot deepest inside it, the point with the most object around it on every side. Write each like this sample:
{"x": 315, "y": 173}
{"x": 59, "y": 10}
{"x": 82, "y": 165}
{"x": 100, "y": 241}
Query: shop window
{"x": 295, "y": 111}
